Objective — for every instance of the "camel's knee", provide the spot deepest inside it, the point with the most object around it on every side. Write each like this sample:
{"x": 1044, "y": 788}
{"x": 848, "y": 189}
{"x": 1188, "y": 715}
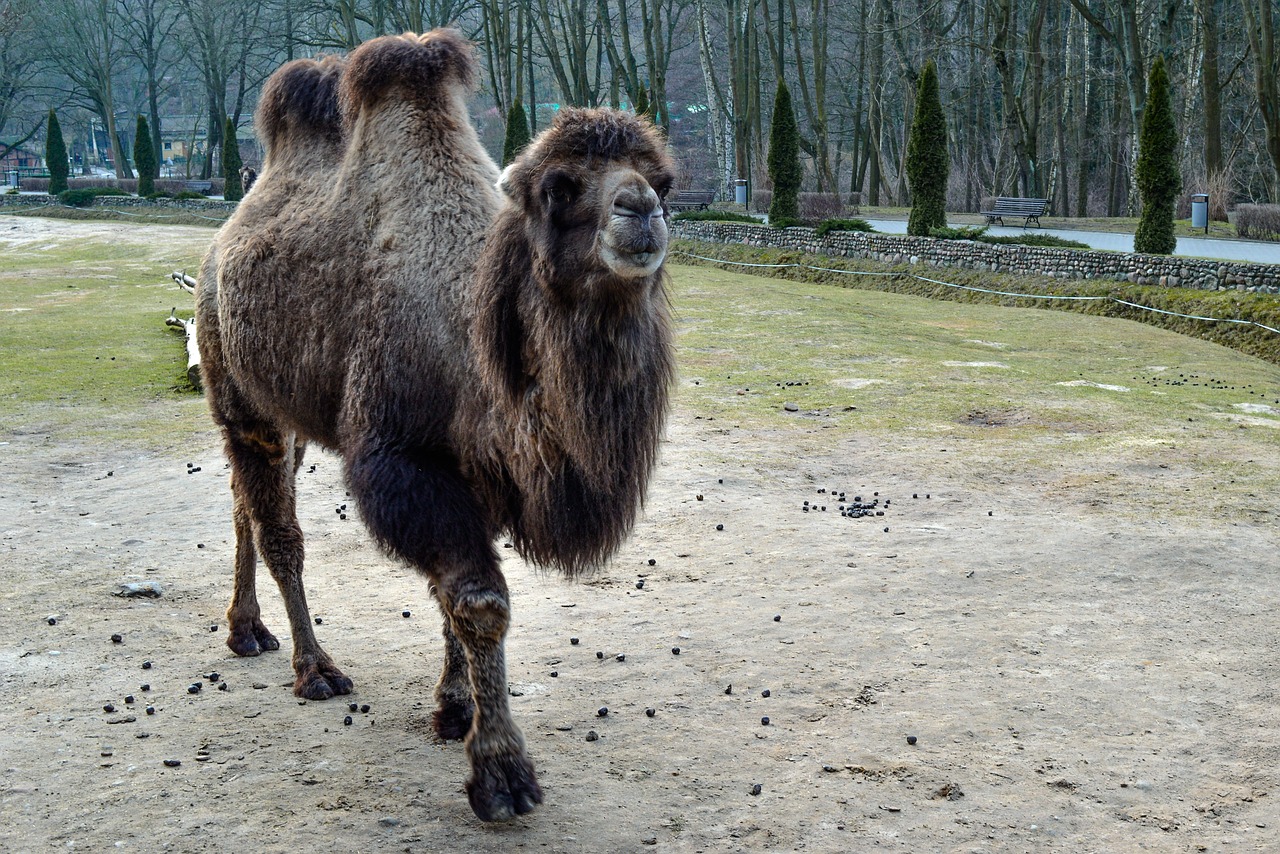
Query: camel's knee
{"x": 480, "y": 615}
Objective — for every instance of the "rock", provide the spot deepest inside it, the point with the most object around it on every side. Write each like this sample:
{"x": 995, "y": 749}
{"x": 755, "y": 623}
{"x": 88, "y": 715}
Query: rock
{"x": 791, "y": 407}
{"x": 139, "y": 589}
{"x": 592, "y": 735}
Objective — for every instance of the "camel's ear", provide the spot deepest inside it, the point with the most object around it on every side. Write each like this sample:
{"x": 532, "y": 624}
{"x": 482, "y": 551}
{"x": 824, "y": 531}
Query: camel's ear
{"x": 505, "y": 185}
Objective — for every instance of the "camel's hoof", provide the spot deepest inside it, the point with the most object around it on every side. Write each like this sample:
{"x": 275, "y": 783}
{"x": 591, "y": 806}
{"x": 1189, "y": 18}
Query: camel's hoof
{"x": 503, "y": 786}
{"x": 251, "y": 639}
{"x": 452, "y": 721}
{"x": 321, "y": 681}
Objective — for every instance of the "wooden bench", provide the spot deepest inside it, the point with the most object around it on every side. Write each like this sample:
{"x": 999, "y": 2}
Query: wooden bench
{"x": 1029, "y": 209}
{"x": 693, "y": 200}
{"x": 198, "y": 186}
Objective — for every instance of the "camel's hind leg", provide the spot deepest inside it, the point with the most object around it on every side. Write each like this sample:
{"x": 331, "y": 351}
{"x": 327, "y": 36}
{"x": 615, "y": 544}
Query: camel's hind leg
{"x": 248, "y": 636}
{"x": 263, "y": 464}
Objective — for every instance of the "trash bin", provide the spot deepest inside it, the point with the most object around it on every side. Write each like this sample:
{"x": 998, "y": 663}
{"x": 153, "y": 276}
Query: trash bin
{"x": 1200, "y": 211}
{"x": 740, "y": 191}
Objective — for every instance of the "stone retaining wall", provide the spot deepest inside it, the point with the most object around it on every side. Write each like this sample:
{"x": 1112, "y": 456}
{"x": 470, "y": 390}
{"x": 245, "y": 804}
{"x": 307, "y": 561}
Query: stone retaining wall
{"x": 33, "y": 200}
{"x": 1163, "y": 270}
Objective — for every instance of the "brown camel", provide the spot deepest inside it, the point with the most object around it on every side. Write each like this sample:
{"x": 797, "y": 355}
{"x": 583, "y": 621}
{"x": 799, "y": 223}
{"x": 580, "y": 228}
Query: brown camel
{"x": 484, "y": 361}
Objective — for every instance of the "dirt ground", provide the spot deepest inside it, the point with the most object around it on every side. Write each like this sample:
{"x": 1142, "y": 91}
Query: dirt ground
{"x": 1077, "y": 671}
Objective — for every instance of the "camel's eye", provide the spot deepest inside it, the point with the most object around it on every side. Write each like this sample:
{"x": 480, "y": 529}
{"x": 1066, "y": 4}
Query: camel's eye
{"x": 559, "y": 188}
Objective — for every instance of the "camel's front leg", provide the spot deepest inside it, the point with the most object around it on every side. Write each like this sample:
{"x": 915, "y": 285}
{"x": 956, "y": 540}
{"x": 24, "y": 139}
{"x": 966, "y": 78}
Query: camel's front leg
{"x": 455, "y": 707}
{"x": 502, "y": 781}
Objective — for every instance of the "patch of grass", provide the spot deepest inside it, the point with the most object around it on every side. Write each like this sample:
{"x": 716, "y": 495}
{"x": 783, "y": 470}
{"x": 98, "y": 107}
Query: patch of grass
{"x": 975, "y": 389}
{"x": 713, "y": 216}
{"x": 1050, "y": 240}
{"x": 829, "y": 225}
{"x": 948, "y": 232}
{"x": 84, "y": 351}
{"x": 105, "y": 213}
{"x": 1262, "y": 308}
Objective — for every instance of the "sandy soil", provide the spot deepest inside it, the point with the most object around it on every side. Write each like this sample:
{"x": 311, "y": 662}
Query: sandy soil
{"x": 1079, "y": 673}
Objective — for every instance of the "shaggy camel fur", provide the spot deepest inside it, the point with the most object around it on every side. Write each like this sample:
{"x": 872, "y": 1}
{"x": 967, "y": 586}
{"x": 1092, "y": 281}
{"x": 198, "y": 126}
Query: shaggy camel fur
{"x": 474, "y": 382}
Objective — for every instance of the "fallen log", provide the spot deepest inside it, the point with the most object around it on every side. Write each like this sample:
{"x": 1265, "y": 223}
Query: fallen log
{"x": 187, "y": 283}
{"x": 193, "y": 349}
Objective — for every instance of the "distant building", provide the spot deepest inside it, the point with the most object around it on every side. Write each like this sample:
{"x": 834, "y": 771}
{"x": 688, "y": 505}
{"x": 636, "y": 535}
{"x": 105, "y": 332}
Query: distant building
{"x": 21, "y": 158}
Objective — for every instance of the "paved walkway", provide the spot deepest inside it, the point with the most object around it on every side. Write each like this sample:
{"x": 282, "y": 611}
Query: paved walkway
{"x": 1193, "y": 247}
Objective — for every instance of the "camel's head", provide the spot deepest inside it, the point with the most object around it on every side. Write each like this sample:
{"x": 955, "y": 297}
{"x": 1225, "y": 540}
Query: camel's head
{"x": 592, "y": 192}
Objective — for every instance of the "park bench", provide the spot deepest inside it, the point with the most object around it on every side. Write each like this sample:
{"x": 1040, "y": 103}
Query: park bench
{"x": 1030, "y": 209}
{"x": 693, "y": 200}
{"x": 198, "y": 186}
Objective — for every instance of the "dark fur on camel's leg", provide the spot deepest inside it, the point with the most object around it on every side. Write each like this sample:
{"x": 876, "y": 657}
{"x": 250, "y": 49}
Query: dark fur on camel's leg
{"x": 455, "y": 708}
{"x": 503, "y": 782}
{"x": 248, "y": 635}
{"x": 262, "y": 465}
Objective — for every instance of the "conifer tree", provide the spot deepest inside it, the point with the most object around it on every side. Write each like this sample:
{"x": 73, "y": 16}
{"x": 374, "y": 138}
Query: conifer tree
{"x": 1158, "y": 180}
{"x": 232, "y": 190}
{"x": 517, "y": 133}
{"x": 784, "y": 160}
{"x": 927, "y": 161}
{"x": 144, "y": 158}
{"x": 55, "y": 155}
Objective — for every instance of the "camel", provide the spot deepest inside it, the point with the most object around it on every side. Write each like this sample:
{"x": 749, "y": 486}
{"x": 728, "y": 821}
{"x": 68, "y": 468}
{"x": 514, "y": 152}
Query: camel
{"x": 489, "y": 354}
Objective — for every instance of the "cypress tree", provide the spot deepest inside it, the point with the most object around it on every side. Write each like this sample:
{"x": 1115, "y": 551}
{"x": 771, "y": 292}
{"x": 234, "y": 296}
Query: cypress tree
{"x": 144, "y": 158}
{"x": 1158, "y": 180}
{"x": 784, "y": 160}
{"x": 927, "y": 163}
{"x": 517, "y": 133}
{"x": 232, "y": 191}
{"x": 55, "y": 155}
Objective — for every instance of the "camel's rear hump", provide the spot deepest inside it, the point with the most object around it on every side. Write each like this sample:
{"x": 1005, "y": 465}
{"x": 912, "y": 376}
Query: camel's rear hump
{"x": 417, "y": 67}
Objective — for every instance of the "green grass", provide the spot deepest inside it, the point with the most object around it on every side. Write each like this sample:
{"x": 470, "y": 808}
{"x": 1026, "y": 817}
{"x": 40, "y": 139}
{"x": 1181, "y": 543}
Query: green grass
{"x": 983, "y": 382}
{"x": 102, "y": 211}
{"x": 84, "y": 351}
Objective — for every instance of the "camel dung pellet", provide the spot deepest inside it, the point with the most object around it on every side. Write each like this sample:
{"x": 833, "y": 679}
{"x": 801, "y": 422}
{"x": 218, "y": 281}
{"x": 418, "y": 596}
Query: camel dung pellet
{"x": 364, "y": 709}
{"x": 719, "y": 527}
{"x": 146, "y": 686}
{"x": 914, "y": 495}
{"x": 193, "y": 689}
{"x": 652, "y": 562}
{"x": 622, "y": 656}
{"x": 319, "y": 621}
{"x": 172, "y": 763}
{"x": 342, "y": 517}
{"x": 146, "y": 665}
{"x": 720, "y": 480}
{"x": 109, "y": 708}
{"x": 886, "y": 530}
{"x": 764, "y": 721}
{"x": 151, "y": 710}
{"x": 765, "y": 693}
{"x": 989, "y": 513}
{"x": 212, "y": 676}
{"x": 346, "y": 721}
{"x": 406, "y": 614}
{"x": 129, "y": 699}
{"x": 573, "y": 641}
{"x": 222, "y": 686}
{"x": 640, "y": 584}
{"x": 911, "y": 739}
{"x": 555, "y": 673}
{"x": 213, "y": 628}
{"x": 777, "y": 618}
{"x": 699, "y": 497}
{"x": 675, "y": 650}
{"x": 53, "y": 621}
{"x": 117, "y": 638}
{"x": 600, "y": 654}
{"x": 352, "y": 706}
{"x": 592, "y": 735}
{"x": 650, "y": 712}
{"x": 728, "y": 689}
{"x": 756, "y": 789}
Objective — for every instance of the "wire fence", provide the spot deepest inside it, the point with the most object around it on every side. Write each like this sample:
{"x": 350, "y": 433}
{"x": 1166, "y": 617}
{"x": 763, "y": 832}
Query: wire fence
{"x": 904, "y": 275}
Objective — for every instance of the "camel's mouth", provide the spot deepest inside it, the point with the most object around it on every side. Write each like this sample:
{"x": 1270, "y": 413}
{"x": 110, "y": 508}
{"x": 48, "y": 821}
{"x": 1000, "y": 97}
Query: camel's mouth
{"x": 634, "y": 243}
